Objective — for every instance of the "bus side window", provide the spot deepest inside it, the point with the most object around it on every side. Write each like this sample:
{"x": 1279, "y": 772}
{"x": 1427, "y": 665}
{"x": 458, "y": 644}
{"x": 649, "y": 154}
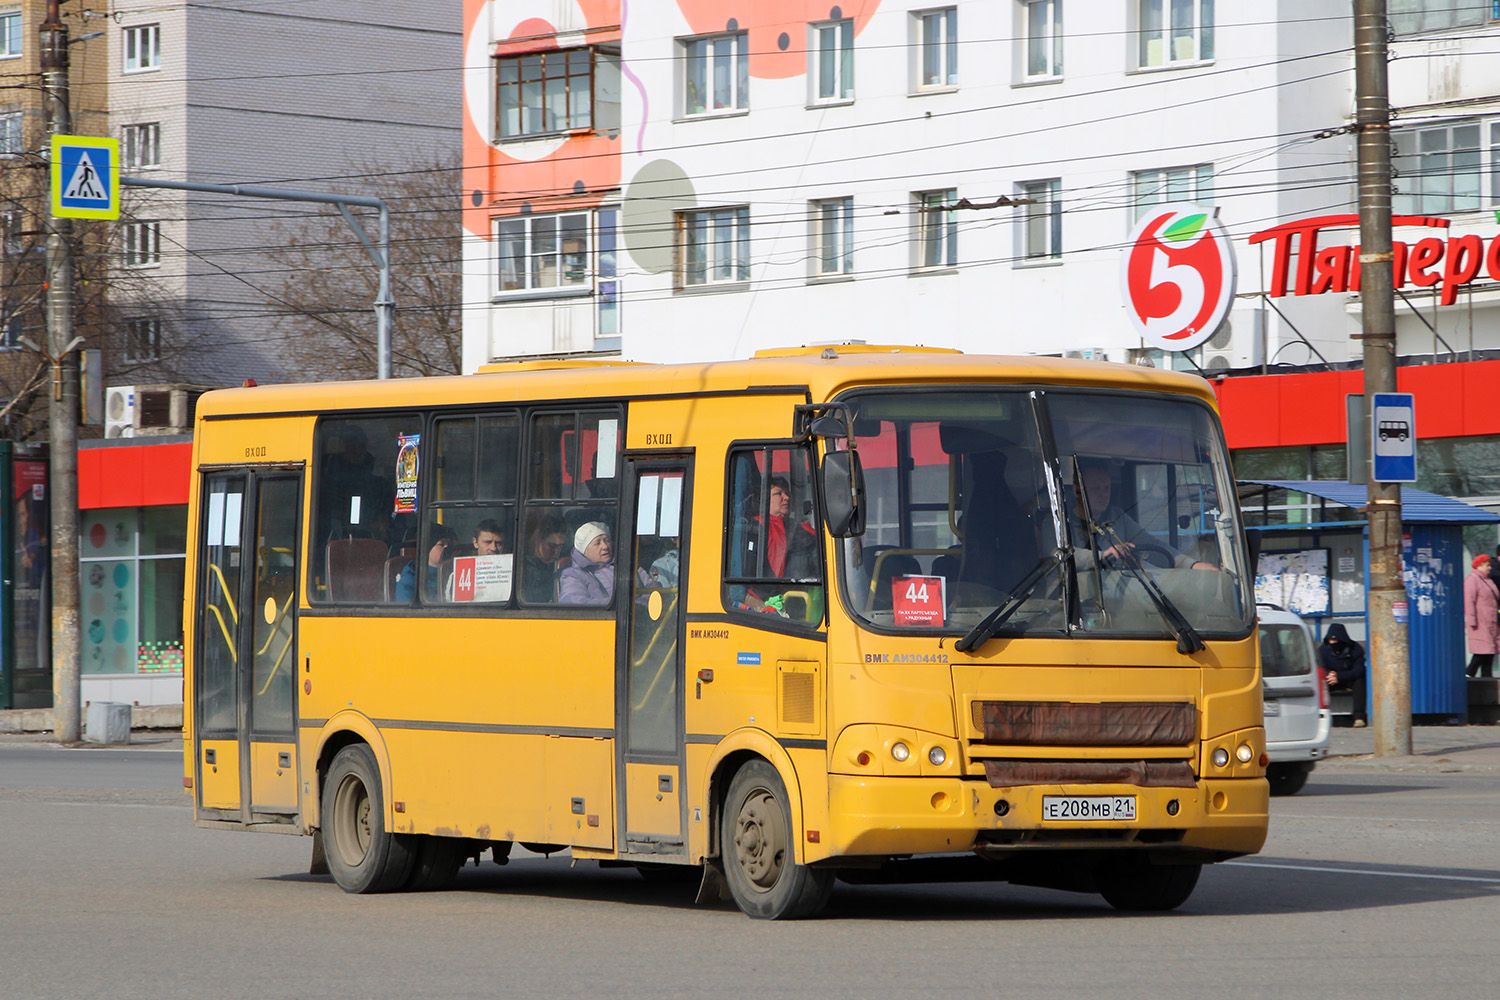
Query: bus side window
{"x": 572, "y": 481}
{"x": 361, "y": 520}
{"x": 467, "y": 551}
{"x": 772, "y": 561}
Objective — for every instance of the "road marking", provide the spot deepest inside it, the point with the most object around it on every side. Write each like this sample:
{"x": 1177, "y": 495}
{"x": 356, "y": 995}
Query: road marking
{"x": 1363, "y": 871}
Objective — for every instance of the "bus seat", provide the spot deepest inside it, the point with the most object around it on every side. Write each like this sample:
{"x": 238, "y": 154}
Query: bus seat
{"x": 356, "y": 568}
{"x": 393, "y": 569}
{"x": 947, "y": 565}
{"x": 891, "y": 568}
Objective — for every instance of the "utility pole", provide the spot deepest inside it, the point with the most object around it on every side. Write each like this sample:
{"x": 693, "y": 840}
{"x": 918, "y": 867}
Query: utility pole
{"x": 62, "y": 415}
{"x": 1389, "y": 667}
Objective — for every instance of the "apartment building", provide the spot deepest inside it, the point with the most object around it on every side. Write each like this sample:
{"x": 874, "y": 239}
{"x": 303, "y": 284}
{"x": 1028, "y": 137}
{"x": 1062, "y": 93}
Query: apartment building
{"x": 699, "y": 179}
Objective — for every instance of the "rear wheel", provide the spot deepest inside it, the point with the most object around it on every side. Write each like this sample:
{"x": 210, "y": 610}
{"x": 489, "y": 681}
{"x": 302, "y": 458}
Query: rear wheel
{"x": 759, "y": 850}
{"x": 1287, "y": 779}
{"x": 1134, "y": 883}
{"x": 436, "y": 863}
{"x": 363, "y": 855}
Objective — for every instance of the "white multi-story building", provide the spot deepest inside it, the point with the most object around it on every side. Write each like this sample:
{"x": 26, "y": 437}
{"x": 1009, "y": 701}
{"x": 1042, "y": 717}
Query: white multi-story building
{"x": 697, "y": 180}
{"x": 309, "y": 96}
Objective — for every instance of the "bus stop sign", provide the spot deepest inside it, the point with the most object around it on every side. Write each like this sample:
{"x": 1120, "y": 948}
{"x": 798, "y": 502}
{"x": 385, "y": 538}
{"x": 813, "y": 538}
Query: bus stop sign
{"x": 85, "y": 177}
{"x": 1393, "y": 437}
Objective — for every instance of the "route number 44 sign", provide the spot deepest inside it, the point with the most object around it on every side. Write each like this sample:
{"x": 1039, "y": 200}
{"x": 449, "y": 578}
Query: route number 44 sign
{"x": 919, "y": 600}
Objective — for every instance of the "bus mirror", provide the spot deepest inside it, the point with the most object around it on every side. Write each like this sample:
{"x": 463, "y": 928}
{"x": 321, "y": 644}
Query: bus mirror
{"x": 830, "y": 425}
{"x": 843, "y": 494}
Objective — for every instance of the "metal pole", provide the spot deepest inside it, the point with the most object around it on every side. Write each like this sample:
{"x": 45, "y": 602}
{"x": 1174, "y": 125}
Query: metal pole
{"x": 1389, "y": 667}
{"x": 385, "y": 304}
{"x": 62, "y": 416}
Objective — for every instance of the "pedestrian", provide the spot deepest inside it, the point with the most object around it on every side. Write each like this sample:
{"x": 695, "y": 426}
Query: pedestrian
{"x": 1481, "y": 616}
{"x": 1343, "y": 662}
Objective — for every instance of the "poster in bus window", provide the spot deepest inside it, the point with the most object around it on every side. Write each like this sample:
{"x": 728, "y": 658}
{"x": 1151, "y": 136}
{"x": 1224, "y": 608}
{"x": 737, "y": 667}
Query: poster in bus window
{"x": 481, "y": 579}
{"x": 406, "y": 473}
{"x": 919, "y": 600}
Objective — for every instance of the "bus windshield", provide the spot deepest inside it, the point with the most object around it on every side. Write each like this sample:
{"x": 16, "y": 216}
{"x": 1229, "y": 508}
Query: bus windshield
{"x": 1064, "y": 511}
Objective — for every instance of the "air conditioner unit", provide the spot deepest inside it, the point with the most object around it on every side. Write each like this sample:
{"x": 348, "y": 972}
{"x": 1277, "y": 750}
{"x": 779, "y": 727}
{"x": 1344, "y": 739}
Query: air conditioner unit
{"x": 119, "y": 411}
{"x": 1238, "y": 343}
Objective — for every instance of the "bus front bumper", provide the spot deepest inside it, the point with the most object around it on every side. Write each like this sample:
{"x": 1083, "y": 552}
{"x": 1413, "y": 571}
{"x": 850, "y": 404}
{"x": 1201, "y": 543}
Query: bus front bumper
{"x": 905, "y": 816}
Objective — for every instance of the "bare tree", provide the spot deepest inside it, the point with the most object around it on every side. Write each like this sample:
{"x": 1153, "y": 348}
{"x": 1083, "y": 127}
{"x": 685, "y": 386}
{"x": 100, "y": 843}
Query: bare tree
{"x": 325, "y": 282}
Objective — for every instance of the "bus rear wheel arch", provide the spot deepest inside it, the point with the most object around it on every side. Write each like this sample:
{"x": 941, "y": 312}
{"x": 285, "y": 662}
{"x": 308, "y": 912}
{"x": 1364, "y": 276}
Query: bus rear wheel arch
{"x": 363, "y": 856}
{"x": 758, "y": 849}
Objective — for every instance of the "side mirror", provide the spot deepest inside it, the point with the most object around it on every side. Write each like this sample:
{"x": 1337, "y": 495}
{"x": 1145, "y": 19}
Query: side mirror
{"x": 843, "y": 482}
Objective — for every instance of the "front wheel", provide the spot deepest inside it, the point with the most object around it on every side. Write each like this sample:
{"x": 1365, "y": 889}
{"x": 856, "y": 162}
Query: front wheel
{"x": 1134, "y": 883}
{"x": 363, "y": 855}
{"x": 760, "y": 850}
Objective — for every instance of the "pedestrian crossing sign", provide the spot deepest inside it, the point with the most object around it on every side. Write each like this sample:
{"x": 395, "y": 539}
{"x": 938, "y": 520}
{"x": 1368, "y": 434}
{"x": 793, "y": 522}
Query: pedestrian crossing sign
{"x": 85, "y": 177}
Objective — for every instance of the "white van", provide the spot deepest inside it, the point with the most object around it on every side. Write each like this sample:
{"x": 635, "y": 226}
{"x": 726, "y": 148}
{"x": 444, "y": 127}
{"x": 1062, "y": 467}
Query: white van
{"x": 1296, "y": 699}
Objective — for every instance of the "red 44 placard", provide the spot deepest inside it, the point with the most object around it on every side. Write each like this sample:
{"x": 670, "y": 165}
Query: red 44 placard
{"x": 919, "y": 600}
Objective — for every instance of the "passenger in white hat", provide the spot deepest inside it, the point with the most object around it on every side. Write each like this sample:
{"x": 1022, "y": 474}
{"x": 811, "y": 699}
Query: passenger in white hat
{"x": 589, "y": 577}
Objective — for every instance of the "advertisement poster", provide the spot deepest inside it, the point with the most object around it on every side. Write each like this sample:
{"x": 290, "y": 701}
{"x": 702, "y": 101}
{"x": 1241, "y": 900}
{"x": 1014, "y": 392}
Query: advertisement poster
{"x": 1294, "y": 581}
{"x": 406, "y": 474}
{"x": 31, "y": 591}
{"x": 919, "y": 600}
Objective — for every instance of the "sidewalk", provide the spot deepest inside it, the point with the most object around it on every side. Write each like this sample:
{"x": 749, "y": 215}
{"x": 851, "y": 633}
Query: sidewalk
{"x": 1435, "y": 750}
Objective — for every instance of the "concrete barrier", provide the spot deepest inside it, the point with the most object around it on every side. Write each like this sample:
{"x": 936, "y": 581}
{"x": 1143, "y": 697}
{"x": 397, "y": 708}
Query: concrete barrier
{"x": 107, "y": 722}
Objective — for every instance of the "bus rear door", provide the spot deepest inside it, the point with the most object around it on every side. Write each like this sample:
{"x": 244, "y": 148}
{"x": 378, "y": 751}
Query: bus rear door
{"x": 246, "y": 664}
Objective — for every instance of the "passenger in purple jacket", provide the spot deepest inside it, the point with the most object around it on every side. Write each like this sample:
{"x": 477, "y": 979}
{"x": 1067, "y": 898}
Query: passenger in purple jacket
{"x": 589, "y": 577}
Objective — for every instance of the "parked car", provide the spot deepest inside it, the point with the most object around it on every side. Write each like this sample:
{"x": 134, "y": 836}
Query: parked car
{"x": 1296, "y": 699}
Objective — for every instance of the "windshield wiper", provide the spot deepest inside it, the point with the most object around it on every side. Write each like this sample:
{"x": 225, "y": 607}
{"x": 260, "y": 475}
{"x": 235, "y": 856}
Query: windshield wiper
{"x": 1188, "y": 640}
{"x": 982, "y": 632}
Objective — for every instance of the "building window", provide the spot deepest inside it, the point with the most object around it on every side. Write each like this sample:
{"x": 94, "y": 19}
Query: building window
{"x": 1410, "y": 16}
{"x": 1149, "y": 188}
{"x": 140, "y": 145}
{"x": 1440, "y": 170}
{"x": 936, "y": 229}
{"x": 540, "y": 252}
{"x": 833, "y": 237}
{"x": 132, "y": 563}
{"x": 831, "y": 55}
{"x": 10, "y": 32}
{"x": 12, "y": 243}
{"x": 10, "y": 134}
{"x": 142, "y": 244}
{"x": 936, "y": 40}
{"x": 142, "y": 340}
{"x": 542, "y": 93}
{"x": 714, "y": 246}
{"x": 1041, "y": 226}
{"x": 716, "y": 74}
{"x": 143, "y": 48}
{"x": 11, "y": 328}
{"x": 1174, "y": 32}
{"x": 1044, "y": 39}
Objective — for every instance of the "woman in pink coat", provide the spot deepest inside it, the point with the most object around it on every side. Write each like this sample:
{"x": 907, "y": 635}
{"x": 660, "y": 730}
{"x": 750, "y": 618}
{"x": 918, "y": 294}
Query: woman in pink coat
{"x": 1481, "y": 616}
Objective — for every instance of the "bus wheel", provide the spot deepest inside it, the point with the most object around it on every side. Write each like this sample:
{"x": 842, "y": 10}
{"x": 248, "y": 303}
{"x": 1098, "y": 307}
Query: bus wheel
{"x": 362, "y": 855}
{"x": 436, "y": 861}
{"x": 1134, "y": 883}
{"x": 765, "y": 880}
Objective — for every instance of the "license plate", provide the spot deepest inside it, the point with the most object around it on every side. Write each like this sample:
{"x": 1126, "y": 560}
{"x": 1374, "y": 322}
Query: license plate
{"x": 1273, "y": 708}
{"x": 1088, "y": 807}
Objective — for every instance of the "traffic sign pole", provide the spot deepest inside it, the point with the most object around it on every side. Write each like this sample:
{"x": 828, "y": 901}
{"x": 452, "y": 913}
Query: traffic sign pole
{"x": 1389, "y": 663}
{"x": 62, "y": 415}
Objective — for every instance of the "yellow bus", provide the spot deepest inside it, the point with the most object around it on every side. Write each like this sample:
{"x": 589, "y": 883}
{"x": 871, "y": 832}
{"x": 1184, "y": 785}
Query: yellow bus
{"x": 864, "y": 613}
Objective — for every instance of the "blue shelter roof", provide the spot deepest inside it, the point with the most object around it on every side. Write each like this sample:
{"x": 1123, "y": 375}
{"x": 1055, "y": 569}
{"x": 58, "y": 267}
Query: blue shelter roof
{"x": 1417, "y": 506}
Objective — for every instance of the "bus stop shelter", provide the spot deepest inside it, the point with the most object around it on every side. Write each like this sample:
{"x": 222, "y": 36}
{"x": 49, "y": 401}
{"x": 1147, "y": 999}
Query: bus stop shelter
{"x": 1314, "y": 560}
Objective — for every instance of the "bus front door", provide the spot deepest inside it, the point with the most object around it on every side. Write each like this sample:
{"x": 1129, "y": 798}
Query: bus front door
{"x": 648, "y": 711}
{"x": 245, "y": 671}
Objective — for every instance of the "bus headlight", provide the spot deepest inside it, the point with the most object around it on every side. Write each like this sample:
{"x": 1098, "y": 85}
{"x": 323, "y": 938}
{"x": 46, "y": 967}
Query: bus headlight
{"x": 1243, "y": 753}
{"x": 937, "y": 755}
{"x": 1221, "y": 757}
{"x": 900, "y": 751}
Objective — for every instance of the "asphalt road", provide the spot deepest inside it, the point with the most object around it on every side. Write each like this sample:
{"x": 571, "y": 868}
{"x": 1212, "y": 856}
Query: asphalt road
{"x": 1372, "y": 885}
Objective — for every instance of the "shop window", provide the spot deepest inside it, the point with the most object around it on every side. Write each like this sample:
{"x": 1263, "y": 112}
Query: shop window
{"x": 773, "y": 564}
{"x": 132, "y": 570}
